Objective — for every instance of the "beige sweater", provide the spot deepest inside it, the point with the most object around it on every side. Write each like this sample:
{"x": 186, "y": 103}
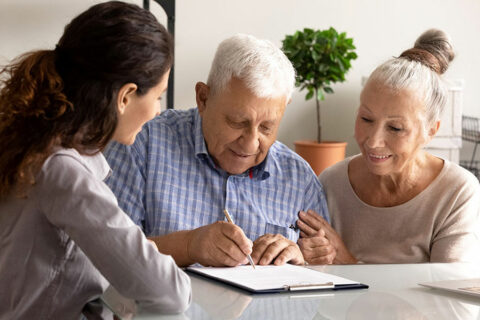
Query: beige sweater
{"x": 441, "y": 224}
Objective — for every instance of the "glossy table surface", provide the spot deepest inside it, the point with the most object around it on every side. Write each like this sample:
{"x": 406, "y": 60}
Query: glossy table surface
{"x": 394, "y": 293}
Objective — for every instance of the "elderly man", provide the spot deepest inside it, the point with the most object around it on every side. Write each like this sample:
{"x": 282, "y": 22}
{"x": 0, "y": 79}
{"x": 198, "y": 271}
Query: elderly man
{"x": 187, "y": 166}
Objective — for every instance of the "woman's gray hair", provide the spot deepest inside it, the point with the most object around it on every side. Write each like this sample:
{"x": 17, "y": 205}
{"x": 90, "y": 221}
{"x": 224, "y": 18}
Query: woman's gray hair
{"x": 419, "y": 70}
{"x": 262, "y": 66}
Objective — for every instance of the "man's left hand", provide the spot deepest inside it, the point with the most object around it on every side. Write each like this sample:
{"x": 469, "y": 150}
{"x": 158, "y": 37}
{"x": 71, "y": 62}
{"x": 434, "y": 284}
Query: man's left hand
{"x": 276, "y": 249}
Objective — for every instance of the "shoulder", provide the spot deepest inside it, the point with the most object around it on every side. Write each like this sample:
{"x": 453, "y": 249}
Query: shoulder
{"x": 66, "y": 167}
{"x": 160, "y": 133}
{"x": 455, "y": 191}
{"x": 456, "y": 177}
{"x": 287, "y": 167}
{"x": 170, "y": 127}
{"x": 66, "y": 159}
{"x": 284, "y": 158}
{"x": 173, "y": 119}
{"x": 335, "y": 172}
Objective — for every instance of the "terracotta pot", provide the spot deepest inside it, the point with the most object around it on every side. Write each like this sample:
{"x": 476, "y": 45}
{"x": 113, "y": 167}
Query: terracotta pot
{"x": 320, "y": 155}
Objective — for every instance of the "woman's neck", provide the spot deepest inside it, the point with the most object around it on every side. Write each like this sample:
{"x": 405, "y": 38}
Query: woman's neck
{"x": 397, "y": 187}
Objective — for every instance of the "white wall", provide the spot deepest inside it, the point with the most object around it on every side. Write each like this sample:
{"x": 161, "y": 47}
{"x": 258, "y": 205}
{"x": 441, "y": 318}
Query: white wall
{"x": 380, "y": 28}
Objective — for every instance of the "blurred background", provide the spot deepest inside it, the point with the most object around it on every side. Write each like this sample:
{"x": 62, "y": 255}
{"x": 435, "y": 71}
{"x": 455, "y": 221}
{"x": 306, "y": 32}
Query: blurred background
{"x": 380, "y": 29}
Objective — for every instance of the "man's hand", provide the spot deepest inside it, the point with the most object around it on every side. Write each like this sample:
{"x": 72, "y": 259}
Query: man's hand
{"x": 314, "y": 227}
{"x": 219, "y": 244}
{"x": 277, "y": 249}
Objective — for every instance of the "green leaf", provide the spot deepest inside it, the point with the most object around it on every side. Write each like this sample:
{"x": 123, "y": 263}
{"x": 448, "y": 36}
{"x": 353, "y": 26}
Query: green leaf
{"x": 328, "y": 89}
{"x": 309, "y": 95}
{"x": 320, "y": 58}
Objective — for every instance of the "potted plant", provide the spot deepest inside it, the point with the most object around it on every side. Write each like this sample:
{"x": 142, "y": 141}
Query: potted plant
{"x": 320, "y": 58}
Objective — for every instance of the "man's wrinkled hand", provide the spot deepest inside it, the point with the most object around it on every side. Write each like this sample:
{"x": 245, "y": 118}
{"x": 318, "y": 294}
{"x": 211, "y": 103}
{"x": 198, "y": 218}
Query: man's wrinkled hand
{"x": 219, "y": 244}
{"x": 276, "y": 249}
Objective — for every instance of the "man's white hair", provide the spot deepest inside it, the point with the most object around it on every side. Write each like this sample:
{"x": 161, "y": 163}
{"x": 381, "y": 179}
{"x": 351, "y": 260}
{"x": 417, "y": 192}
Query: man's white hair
{"x": 263, "y": 67}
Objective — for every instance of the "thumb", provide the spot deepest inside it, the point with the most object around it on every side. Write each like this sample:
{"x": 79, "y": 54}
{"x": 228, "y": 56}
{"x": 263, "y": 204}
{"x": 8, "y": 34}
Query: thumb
{"x": 320, "y": 233}
{"x": 330, "y": 233}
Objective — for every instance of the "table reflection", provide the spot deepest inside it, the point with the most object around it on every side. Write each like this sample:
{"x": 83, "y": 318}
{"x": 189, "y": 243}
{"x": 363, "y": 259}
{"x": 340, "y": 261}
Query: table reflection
{"x": 394, "y": 293}
{"x": 214, "y": 300}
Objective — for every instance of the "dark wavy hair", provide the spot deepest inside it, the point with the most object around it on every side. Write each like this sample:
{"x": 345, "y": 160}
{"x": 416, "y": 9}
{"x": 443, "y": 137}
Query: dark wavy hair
{"x": 67, "y": 97}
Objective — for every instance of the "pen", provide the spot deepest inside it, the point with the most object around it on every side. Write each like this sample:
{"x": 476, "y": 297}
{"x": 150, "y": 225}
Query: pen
{"x": 231, "y": 221}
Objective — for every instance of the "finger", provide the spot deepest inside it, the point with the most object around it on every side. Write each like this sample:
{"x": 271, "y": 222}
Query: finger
{"x": 330, "y": 233}
{"x": 310, "y": 253}
{"x": 222, "y": 259}
{"x": 313, "y": 242}
{"x": 290, "y": 254}
{"x": 267, "y": 247}
{"x": 311, "y": 218}
{"x": 260, "y": 245}
{"x": 274, "y": 249}
{"x": 231, "y": 249}
{"x": 322, "y": 260}
{"x": 306, "y": 229}
{"x": 320, "y": 221}
{"x": 237, "y": 236}
{"x": 317, "y": 248}
{"x": 328, "y": 229}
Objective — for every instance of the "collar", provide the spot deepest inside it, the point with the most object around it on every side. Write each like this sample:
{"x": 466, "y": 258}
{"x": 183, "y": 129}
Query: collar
{"x": 200, "y": 146}
{"x": 259, "y": 172}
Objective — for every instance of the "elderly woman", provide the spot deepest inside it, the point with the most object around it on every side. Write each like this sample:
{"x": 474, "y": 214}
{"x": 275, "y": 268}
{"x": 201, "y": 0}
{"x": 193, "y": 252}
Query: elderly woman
{"x": 395, "y": 202}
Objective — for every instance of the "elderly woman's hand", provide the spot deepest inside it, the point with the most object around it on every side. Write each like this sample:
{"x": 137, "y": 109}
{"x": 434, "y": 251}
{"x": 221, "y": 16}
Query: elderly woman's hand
{"x": 313, "y": 226}
{"x": 317, "y": 249}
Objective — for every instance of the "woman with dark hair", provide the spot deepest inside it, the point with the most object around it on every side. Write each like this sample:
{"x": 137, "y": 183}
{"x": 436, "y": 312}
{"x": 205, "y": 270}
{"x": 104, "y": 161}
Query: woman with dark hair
{"x": 395, "y": 202}
{"x": 62, "y": 236}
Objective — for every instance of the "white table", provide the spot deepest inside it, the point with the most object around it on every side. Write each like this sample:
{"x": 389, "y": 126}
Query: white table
{"x": 393, "y": 294}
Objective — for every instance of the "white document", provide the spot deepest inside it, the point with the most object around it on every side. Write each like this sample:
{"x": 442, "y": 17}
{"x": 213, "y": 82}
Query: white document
{"x": 276, "y": 278}
{"x": 465, "y": 286}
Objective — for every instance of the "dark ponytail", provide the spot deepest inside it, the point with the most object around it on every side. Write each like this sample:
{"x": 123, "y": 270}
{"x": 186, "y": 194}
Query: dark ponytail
{"x": 67, "y": 97}
{"x": 30, "y": 100}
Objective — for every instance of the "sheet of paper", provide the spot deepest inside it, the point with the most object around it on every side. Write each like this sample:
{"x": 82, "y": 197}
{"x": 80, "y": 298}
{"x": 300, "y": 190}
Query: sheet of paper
{"x": 272, "y": 277}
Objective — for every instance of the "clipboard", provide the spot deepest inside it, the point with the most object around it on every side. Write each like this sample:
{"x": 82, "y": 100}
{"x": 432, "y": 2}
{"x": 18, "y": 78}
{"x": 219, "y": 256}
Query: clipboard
{"x": 273, "y": 279}
{"x": 463, "y": 286}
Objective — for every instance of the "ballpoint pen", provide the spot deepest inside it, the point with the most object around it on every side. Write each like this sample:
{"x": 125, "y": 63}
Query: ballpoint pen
{"x": 231, "y": 221}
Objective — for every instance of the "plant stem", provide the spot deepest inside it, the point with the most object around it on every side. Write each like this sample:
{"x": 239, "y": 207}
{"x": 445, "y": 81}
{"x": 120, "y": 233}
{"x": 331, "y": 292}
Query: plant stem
{"x": 319, "y": 126}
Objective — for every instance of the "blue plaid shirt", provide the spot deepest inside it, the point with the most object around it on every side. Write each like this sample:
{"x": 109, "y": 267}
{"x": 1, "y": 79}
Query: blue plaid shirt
{"x": 166, "y": 181}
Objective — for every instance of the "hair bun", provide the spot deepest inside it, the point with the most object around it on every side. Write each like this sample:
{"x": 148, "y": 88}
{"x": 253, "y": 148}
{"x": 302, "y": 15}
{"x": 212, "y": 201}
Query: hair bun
{"x": 432, "y": 49}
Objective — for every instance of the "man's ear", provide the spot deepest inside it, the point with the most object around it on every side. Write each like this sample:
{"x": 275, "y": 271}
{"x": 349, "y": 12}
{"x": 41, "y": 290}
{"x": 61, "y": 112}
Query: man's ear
{"x": 202, "y": 92}
{"x": 125, "y": 96}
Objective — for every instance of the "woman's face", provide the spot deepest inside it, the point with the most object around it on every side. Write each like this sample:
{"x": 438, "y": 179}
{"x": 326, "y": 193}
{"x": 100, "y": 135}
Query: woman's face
{"x": 137, "y": 110}
{"x": 389, "y": 128}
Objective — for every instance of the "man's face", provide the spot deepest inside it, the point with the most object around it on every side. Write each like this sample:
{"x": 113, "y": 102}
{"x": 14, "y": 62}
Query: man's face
{"x": 238, "y": 127}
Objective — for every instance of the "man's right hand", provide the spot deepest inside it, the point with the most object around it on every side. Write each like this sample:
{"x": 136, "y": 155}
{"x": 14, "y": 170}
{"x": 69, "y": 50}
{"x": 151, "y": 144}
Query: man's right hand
{"x": 219, "y": 244}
